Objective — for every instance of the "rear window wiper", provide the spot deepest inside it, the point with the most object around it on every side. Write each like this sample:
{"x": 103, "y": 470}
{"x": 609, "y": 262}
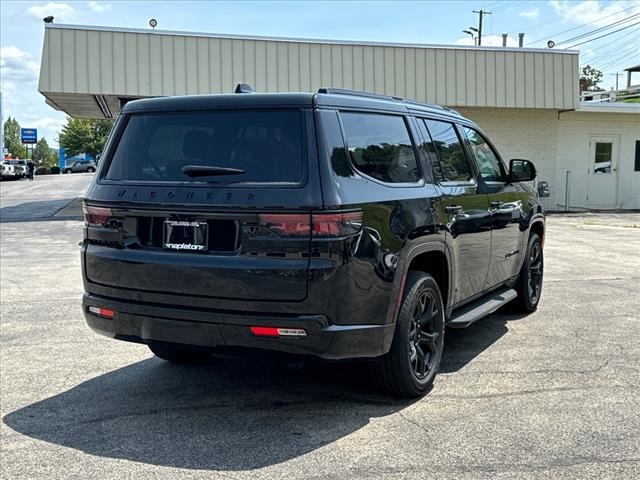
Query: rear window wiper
{"x": 206, "y": 171}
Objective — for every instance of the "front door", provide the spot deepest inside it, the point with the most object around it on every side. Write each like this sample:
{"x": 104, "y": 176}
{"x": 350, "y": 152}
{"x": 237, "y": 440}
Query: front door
{"x": 602, "y": 183}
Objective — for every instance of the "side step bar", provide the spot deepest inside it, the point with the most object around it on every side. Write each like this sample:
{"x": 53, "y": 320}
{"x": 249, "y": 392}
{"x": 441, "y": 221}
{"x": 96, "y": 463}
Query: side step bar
{"x": 481, "y": 308}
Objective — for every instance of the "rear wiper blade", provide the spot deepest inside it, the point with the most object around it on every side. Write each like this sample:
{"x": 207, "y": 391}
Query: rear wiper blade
{"x": 206, "y": 171}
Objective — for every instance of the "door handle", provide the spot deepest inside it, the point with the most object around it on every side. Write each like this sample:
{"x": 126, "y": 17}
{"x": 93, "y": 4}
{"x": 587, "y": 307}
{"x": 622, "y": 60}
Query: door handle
{"x": 496, "y": 204}
{"x": 453, "y": 208}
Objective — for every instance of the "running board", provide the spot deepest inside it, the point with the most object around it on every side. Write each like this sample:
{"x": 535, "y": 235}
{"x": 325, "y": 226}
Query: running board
{"x": 481, "y": 308}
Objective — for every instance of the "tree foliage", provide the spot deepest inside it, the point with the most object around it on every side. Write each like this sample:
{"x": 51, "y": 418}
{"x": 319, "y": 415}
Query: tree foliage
{"x": 593, "y": 76}
{"x": 12, "y": 140}
{"x": 42, "y": 153}
{"x": 82, "y": 135}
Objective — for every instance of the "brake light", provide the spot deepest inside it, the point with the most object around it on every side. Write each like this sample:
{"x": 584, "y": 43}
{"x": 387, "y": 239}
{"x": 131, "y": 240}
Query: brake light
{"x": 288, "y": 224}
{"x": 277, "y": 332}
{"x": 97, "y": 216}
{"x": 334, "y": 224}
{"x": 101, "y": 312}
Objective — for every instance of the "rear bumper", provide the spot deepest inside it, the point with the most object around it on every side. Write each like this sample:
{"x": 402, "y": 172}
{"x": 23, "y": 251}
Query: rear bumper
{"x": 147, "y": 323}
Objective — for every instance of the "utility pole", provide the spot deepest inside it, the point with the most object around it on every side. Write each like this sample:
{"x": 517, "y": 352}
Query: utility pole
{"x": 481, "y": 13}
{"x": 617, "y": 75}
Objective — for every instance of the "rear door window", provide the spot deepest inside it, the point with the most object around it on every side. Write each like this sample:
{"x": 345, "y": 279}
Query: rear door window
{"x": 380, "y": 146}
{"x": 265, "y": 145}
{"x": 453, "y": 165}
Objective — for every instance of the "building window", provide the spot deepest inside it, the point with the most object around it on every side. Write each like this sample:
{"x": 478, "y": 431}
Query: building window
{"x": 602, "y": 160}
{"x": 637, "y": 165}
{"x": 380, "y": 147}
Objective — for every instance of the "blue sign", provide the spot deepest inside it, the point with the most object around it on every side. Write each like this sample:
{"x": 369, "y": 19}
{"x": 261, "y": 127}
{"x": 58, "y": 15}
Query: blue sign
{"x": 29, "y": 135}
{"x": 62, "y": 158}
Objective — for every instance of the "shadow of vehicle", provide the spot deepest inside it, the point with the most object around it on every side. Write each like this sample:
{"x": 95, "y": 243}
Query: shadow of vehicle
{"x": 230, "y": 414}
{"x": 44, "y": 210}
{"x": 462, "y": 345}
{"x": 233, "y": 413}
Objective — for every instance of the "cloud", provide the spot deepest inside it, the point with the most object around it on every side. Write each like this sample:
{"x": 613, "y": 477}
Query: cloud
{"x": 592, "y": 11}
{"x": 63, "y": 12}
{"x": 530, "y": 13}
{"x": 488, "y": 41}
{"x": 17, "y": 65}
{"x": 99, "y": 7}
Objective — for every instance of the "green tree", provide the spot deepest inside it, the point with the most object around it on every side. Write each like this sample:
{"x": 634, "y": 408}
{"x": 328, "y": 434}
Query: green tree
{"x": 82, "y": 135}
{"x": 42, "y": 153}
{"x": 593, "y": 77}
{"x": 12, "y": 141}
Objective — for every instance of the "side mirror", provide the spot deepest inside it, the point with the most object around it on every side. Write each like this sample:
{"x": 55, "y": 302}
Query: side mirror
{"x": 521, "y": 170}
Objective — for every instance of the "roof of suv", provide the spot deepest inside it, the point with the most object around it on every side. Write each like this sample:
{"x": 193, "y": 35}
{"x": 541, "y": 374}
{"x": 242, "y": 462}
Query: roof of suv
{"x": 326, "y": 97}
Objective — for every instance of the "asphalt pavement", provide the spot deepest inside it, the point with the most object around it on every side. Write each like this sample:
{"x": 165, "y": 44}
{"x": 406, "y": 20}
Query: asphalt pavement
{"x": 551, "y": 395}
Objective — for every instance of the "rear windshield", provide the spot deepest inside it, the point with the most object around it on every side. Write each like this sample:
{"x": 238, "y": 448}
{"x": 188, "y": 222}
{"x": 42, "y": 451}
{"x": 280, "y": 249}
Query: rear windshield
{"x": 265, "y": 145}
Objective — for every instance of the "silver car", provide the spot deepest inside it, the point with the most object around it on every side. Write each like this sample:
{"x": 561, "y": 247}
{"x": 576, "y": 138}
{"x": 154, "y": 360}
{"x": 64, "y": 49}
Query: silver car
{"x": 80, "y": 166}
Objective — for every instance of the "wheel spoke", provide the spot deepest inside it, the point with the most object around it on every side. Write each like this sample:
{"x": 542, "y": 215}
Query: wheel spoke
{"x": 430, "y": 340}
{"x": 421, "y": 367}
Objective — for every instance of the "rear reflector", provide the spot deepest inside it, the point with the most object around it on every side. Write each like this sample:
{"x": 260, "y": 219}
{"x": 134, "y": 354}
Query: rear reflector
{"x": 101, "y": 312}
{"x": 277, "y": 332}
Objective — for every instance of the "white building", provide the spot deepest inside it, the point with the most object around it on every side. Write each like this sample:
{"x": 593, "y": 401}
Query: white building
{"x": 517, "y": 95}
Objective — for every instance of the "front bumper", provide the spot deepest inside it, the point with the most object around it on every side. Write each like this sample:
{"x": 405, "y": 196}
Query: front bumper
{"x": 148, "y": 323}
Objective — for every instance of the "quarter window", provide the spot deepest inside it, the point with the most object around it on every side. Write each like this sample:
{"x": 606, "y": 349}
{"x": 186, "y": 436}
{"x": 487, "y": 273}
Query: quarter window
{"x": 380, "y": 147}
{"x": 489, "y": 165}
{"x": 453, "y": 165}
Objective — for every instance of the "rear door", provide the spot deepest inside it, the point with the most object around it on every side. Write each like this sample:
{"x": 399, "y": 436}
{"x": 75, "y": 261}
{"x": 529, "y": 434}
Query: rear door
{"x": 508, "y": 205}
{"x": 208, "y": 204}
{"x": 465, "y": 208}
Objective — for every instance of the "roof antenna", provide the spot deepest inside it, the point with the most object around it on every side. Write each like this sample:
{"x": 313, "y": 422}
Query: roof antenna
{"x": 244, "y": 88}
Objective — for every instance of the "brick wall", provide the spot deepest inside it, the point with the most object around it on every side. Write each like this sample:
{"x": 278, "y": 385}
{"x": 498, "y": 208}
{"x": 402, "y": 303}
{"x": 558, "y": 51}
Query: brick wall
{"x": 527, "y": 133}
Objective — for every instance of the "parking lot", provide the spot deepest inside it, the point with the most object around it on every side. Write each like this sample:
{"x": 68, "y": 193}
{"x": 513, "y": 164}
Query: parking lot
{"x": 551, "y": 395}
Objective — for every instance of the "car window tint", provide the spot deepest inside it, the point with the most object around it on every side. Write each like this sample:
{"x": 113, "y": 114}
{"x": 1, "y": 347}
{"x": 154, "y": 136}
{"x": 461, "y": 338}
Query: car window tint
{"x": 453, "y": 166}
{"x": 380, "y": 147}
{"x": 267, "y": 145}
{"x": 489, "y": 165}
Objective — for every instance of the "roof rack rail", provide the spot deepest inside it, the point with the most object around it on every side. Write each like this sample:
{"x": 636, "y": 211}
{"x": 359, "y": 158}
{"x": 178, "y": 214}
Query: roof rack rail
{"x": 357, "y": 93}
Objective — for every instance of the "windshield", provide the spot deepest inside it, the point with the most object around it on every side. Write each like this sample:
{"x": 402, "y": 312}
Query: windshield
{"x": 261, "y": 146}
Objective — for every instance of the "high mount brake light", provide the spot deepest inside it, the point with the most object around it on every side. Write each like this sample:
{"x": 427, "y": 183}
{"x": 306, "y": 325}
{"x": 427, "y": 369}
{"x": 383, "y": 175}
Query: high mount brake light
{"x": 97, "y": 216}
{"x": 333, "y": 224}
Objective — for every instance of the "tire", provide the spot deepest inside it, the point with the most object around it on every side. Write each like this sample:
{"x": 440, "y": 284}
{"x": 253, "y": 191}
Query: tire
{"x": 178, "y": 354}
{"x": 412, "y": 363}
{"x": 91, "y": 170}
{"x": 68, "y": 170}
{"x": 529, "y": 285}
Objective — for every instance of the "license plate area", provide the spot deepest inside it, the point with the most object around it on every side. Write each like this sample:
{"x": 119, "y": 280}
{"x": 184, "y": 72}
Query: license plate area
{"x": 186, "y": 235}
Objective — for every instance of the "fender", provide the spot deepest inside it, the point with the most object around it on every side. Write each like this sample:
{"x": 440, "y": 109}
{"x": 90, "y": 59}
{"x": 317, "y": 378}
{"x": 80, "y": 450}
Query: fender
{"x": 403, "y": 269}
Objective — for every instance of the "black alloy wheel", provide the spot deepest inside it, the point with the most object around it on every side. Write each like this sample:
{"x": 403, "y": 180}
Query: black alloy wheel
{"x": 529, "y": 285}
{"x": 412, "y": 363}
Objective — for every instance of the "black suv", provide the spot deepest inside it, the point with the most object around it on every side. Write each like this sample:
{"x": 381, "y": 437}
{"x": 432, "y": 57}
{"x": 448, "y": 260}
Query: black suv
{"x": 338, "y": 224}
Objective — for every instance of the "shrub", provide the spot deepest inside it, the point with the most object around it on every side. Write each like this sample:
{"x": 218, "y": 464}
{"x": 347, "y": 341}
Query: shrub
{"x": 54, "y": 170}
{"x": 42, "y": 171}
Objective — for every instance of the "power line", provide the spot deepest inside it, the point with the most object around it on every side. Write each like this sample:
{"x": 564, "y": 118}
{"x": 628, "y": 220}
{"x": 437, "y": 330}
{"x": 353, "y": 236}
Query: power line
{"x": 604, "y": 35}
{"x": 583, "y": 25}
{"x": 597, "y": 30}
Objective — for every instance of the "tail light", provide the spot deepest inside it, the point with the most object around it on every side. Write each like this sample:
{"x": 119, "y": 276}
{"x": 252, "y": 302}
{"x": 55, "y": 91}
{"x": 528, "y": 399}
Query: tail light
{"x": 333, "y": 224}
{"x": 97, "y": 216}
{"x": 101, "y": 312}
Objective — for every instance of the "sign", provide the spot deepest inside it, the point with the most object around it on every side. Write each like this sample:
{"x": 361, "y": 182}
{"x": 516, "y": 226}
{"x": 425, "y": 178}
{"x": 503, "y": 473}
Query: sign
{"x": 29, "y": 135}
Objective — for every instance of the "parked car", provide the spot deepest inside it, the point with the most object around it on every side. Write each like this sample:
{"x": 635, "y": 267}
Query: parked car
{"x": 342, "y": 225}
{"x": 8, "y": 170}
{"x": 80, "y": 166}
{"x": 21, "y": 168}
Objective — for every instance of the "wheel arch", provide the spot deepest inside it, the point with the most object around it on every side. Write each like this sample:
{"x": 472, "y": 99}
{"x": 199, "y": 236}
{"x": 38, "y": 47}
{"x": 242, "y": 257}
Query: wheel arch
{"x": 434, "y": 259}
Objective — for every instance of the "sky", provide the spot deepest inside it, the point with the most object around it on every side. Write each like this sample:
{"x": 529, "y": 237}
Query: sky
{"x": 432, "y": 22}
